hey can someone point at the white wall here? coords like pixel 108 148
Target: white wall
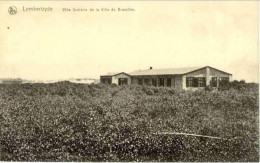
pixel 121 75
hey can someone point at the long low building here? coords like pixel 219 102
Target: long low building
pixel 180 78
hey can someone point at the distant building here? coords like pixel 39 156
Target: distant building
pixel 180 78
pixel 11 81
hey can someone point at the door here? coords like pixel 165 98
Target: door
pixel 122 81
pixel 169 82
pixel 161 82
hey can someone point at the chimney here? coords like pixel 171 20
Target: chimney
pixel 151 68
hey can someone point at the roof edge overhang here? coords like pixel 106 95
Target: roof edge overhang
pixel 122 73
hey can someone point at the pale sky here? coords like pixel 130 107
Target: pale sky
pixel 60 45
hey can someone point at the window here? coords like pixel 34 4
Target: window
pixel 169 82
pixel 161 82
pixel 189 81
pixel 154 82
pixel 214 81
pixel 147 81
pixel 140 81
pixel 122 81
pixel 223 80
pixel 195 82
pixel 106 80
pixel 201 82
pixel 109 81
pixel 103 80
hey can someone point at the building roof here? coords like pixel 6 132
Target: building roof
pixel 114 74
pixel 167 71
pixel 170 71
pixel 111 74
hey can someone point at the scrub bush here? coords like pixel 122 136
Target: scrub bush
pixel 77 122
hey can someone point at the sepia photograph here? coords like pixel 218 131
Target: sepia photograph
pixel 129 81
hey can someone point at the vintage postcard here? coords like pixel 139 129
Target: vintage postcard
pixel 117 81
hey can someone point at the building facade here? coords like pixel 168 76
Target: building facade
pixel 180 78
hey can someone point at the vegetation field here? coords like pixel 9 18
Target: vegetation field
pixel 78 122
